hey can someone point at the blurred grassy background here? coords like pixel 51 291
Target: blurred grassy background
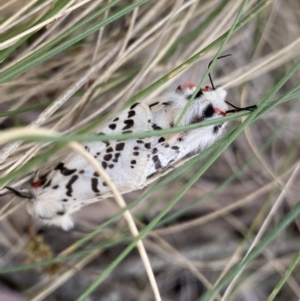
pixel 66 64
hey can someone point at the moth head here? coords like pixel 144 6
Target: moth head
pixel 215 97
pixel 208 102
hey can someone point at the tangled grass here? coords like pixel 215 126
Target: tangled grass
pixel 224 225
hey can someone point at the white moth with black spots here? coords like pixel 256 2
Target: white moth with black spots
pixel 73 182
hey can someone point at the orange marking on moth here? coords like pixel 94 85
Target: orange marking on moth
pixel 36 184
pixel 206 89
pixel 185 86
pixel 188 86
pixel 219 112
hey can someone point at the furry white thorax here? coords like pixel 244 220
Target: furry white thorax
pixel 196 140
pixel 129 163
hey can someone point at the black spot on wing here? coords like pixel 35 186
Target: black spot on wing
pixel 131 114
pixel 107 157
pixel 156 127
pixel 112 126
pixel 120 146
pixel 55 187
pixel 94 183
pixel 69 185
pixel 116 119
pixel 129 124
pixel 167 103
pixel 217 128
pixel 156 162
pixel 134 105
pixel 148 145
pixel 117 155
pixel 161 139
pixel 208 111
pixel 64 170
pixel 104 164
pixel 60 212
pixel 109 150
pixel 153 104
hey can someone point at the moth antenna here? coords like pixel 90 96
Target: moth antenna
pixel 237 109
pixel 21 194
pixel 209 75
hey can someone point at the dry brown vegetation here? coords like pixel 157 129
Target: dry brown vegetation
pixel 235 204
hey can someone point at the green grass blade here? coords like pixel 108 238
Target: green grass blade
pixel 286 275
pixel 22 67
pixel 55 9
pixel 273 234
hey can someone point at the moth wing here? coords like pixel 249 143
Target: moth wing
pixel 155 176
pixel 125 161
